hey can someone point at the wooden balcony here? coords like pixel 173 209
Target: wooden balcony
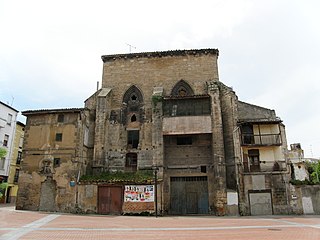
pixel 265 166
pixel 261 140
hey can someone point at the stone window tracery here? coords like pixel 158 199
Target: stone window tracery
pixel 132 111
pixel 182 89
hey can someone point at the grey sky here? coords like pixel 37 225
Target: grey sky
pixel 269 50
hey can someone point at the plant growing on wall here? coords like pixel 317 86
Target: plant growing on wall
pixel 314 170
pixel 3 152
pixel 156 99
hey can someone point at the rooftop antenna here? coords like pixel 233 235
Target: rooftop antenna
pixel 311 151
pixel 130 47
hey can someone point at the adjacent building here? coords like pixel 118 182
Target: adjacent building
pixel 167 112
pixel 13 177
pixel 8 117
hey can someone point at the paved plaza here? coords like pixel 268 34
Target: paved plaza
pixel 37 225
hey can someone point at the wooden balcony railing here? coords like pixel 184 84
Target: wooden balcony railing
pixel 265 166
pixel 261 139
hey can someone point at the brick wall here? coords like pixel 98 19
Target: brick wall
pixel 138 207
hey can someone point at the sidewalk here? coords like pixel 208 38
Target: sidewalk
pixel 37 225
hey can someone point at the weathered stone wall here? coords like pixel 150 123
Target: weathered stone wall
pixel 40 173
pixel 277 184
pixel 305 199
pixel 250 111
pixel 199 153
pixel 229 113
pixel 163 71
pixel 87 198
pixel 218 188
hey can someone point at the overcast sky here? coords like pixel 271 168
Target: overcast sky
pixel 50 50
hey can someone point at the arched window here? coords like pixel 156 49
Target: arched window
pixel 132 107
pixel 133 95
pixel 133 118
pixel 181 89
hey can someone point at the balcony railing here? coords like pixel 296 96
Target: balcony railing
pixel 265 166
pixel 261 139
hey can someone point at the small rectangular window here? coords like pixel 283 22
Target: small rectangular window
pixel 19 158
pixel 174 110
pixel 5 140
pixel 60 118
pixel 56 162
pixel 58 137
pixel 9 120
pixel 16 176
pixel 184 140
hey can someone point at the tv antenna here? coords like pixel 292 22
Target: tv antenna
pixel 130 47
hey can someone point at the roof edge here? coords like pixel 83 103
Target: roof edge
pixel 112 57
pixel 44 111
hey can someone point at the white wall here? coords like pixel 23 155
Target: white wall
pixel 7 128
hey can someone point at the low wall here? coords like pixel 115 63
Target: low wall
pixel 305 199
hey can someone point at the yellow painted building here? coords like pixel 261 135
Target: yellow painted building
pixel 15 164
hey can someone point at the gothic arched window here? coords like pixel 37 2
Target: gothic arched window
pixel 182 89
pixel 132 107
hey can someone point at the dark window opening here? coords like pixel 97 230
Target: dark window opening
pixel 184 140
pixel 56 162
pixel 19 158
pixel 254 160
pixel 133 118
pixel 60 118
pixel 203 169
pixel 16 176
pixel 247 133
pixel 58 137
pixel 133 138
pixel 133 97
pixel 5 140
pixel 131 162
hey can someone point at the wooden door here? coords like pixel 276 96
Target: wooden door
pixel 110 199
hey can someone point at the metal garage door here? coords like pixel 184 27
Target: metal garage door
pixel 188 195
pixel 260 203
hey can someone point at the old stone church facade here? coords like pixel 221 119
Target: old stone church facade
pixel 169 113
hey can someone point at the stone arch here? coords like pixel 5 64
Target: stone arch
pixel 133 95
pixel 182 88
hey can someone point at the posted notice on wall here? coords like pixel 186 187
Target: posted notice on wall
pixel 139 193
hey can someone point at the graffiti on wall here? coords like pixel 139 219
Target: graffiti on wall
pixel 139 193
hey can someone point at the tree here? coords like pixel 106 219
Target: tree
pixel 314 171
pixel 3 152
pixel 3 186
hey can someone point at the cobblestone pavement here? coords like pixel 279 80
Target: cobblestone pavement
pixel 37 225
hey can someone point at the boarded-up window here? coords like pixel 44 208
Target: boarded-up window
pixel 131 162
